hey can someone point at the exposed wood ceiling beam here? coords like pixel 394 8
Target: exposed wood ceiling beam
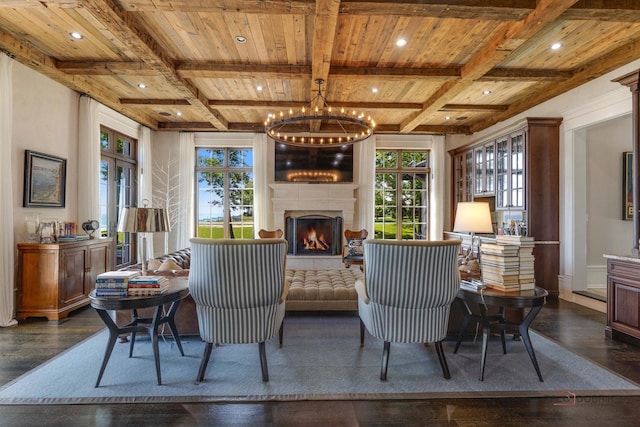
pixel 46 65
pixel 499 10
pixel 222 103
pixel 136 101
pixel 106 68
pixel 325 23
pixel 517 74
pixel 124 27
pixel 259 127
pixel 474 107
pixel 492 53
pixel 245 71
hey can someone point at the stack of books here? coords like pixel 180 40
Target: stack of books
pixel 147 286
pixel 525 253
pixel 114 283
pixel 500 266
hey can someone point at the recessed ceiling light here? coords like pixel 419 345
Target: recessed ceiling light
pixel 447 117
pixel 241 39
pixel 142 85
pixel 556 46
pixel 486 92
pixel 374 89
pixel 258 88
pixel 76 35
pixel 401 42
pixel 179 113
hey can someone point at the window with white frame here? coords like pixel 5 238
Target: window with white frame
pixel 402 187
pixel 224 193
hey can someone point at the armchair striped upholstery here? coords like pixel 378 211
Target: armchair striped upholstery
pixel 239 290
pixel 407 292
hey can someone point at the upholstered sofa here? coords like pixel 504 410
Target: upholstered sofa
pixel 309 290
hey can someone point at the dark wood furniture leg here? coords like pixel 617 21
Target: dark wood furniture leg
pixel 385 360
pixel 443 360
pixel 205 361
pixel 263 361
pixel 524 333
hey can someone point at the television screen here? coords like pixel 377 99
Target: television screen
pixel 313 164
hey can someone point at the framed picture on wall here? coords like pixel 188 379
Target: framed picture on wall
pixel 44 180
pixel 627 186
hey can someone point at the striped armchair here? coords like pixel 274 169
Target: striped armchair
pixel 239 290
pixel 407 292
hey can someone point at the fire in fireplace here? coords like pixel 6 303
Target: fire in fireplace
pixel 314 235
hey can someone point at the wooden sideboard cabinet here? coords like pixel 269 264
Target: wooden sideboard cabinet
pixel 54 279
pixel 623 296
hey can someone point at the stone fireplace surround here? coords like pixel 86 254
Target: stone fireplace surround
pixel 299 199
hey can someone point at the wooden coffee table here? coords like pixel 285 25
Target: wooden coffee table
pixel 178 289
pixel 533 299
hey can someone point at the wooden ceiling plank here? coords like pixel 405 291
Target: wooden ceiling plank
pixel 46 66
pixel 125 27
pixel 222 71
pixel 500 10
pixel 594 69
pixel 491 54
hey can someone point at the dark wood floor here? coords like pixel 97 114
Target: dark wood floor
pixel 579 329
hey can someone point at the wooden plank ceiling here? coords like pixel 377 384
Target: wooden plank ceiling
pixel 467 64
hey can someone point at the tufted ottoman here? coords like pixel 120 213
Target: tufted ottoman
pixel 318 290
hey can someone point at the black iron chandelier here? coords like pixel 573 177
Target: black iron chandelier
pixel 319 124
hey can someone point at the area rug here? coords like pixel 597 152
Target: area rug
pixel 321 360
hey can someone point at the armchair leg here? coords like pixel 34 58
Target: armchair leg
pixel 205 361
pixel 281 334
pixel 443 360
pixel 361 333
pixel 263 362
pixel 385 361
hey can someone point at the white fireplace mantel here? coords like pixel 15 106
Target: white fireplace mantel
pixel 297 197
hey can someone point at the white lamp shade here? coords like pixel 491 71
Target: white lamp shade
pixel 143 220
pixel 473 217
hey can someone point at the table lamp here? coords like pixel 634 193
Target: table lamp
pixel 473 217
pixel 143 220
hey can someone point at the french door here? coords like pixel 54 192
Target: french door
pixel 118 184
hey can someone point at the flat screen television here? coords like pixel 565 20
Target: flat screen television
pixel 313 164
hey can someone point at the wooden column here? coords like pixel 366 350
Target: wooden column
pixel 632 81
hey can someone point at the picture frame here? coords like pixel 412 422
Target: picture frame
pixel 627 186
pixel 45 178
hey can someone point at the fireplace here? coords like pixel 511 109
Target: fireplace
pixel 314 235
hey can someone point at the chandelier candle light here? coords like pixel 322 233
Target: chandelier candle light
pixel 319 125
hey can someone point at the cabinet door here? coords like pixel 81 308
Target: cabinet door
pixel 517 150
pixel 478 171
pixel 489 169
pixel 468 176
pixel 99 262
pixel 502 173
pixel 73 264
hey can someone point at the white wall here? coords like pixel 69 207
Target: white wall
pixel 45 119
